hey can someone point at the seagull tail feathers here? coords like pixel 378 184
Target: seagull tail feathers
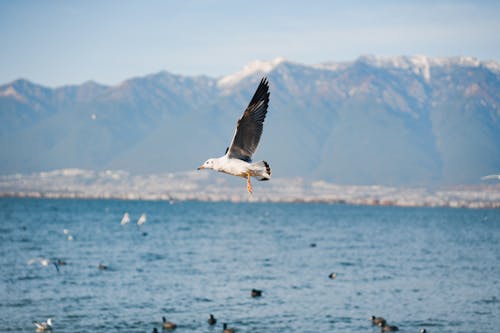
pixel 263 169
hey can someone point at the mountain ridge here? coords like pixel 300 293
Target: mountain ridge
pixel 393 121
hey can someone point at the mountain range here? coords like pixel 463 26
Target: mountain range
pixel 402 121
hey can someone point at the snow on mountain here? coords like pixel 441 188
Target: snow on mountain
pixel 375 120
pixel 257 66
pixel 493 66
pixel 11 92
pixel 421 64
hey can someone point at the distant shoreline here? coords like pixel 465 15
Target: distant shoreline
pixel 212 187
pixel 373 202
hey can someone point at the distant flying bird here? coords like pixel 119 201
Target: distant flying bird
pixel 125 219
pixel 141 219
pixel 43 326
pixel 491 177
pixel 238 158
pixel 44 262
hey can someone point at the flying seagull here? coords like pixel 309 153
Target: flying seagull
pixel 491 177
pixel 238 158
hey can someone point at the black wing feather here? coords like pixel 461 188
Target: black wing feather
pixel 250 125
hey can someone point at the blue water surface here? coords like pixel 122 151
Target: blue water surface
pixel 432 268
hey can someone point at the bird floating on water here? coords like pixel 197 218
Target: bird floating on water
pixel 387 328
pixel 226 329
pixel 238 158
pixel 212 320
pixel 377 320
pixel 125 219
pixel 102 267
pixel 141 219
pixel 43 326
pixel 256 293
pixel 168 325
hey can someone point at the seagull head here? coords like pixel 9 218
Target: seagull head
pixel 209 164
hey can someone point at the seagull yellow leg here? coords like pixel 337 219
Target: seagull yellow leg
pixel 249 185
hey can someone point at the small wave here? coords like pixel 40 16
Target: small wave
pixel 203 300
pixel 28 278
pixel 492 300
pixel 347 264
pixel 20 303
pixel 430 322
pixel 152 257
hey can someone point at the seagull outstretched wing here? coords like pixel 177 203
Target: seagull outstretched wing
pixel 250 125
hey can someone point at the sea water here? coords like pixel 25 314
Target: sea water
pixel 433 268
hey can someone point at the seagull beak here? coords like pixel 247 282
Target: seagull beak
pixel 201 167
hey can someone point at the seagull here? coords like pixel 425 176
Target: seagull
pixel 43 326
pixel 141 219
pixel 66 232
pixel 44 262
pixel 125 219
pixel 237 160
pixel 491 177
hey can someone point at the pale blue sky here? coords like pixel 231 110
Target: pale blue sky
pixel 69 42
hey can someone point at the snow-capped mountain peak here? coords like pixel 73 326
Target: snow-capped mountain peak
pixel 256 66
pixel 421 64
pixel 12 92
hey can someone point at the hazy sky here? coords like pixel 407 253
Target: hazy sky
pixel 62 42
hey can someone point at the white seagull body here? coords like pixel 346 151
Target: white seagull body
pixel 141 219
pixel 238 158
pixel 125 219
pixel 43 326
